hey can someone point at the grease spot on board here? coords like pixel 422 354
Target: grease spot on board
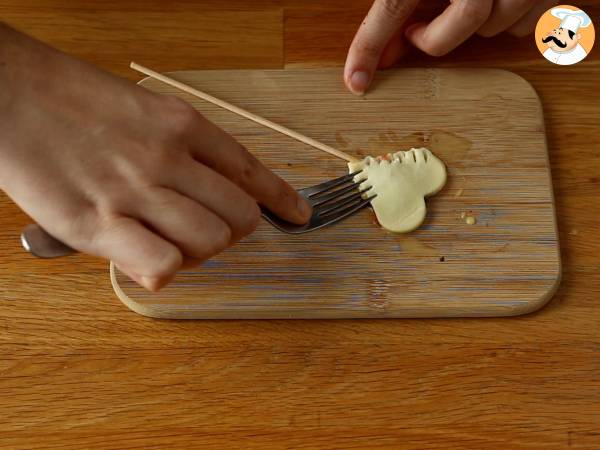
pixel 373 216
pixel 381 143
pixel 415 246
pixel 448 146
pixel 502 248
pixel 346 144
pixel 389 142
pixel 341 141
pixel 408 243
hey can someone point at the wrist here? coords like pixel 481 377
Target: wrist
pixel 24 63
pixel 20 60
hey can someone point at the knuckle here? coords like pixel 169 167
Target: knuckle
pixel 177 105
pixel 110 202
pixel 82 228
pixel 164 159
pixel 101 227
pixel 151 164
pixel 370 47
pixel 180 114
pixel 475 10
pixel 395 9
pixel 249 166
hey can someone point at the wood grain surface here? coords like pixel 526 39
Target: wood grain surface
pixel 77 370
pixel 486 125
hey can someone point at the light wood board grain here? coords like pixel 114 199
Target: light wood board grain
pixel 487 125
pixel 78 370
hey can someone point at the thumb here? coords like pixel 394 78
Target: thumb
pixel 377 29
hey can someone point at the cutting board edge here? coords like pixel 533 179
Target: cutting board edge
pixel 496 310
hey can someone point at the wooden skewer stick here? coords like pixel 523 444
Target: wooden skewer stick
pixel 241 112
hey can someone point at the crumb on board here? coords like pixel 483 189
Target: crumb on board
pixel 468 218
pixel 459 192
pixel 574 232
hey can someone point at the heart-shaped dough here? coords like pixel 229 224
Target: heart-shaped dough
pixel 401 181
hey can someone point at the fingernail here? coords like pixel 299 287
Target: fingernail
pixel 359 82
pixel 304 209
pixel 152 284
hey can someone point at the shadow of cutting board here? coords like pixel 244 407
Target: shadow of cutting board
pixel 486 125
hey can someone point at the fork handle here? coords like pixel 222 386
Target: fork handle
pixel 42 244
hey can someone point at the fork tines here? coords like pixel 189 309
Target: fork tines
pixel 339 196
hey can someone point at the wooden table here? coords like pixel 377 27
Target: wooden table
pixel 79 370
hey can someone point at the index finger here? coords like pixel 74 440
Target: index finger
pixel 377 29
pixel 460 20
pixel 220 151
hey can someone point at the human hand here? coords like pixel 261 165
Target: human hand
pixel 120 172
pixel 381 39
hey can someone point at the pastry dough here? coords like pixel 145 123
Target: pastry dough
pixel 401 181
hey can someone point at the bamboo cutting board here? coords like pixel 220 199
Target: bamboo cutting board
pixel 486 125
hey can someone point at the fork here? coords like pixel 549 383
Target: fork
pixel 331 201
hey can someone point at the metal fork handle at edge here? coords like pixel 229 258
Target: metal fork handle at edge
pixel 42 244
